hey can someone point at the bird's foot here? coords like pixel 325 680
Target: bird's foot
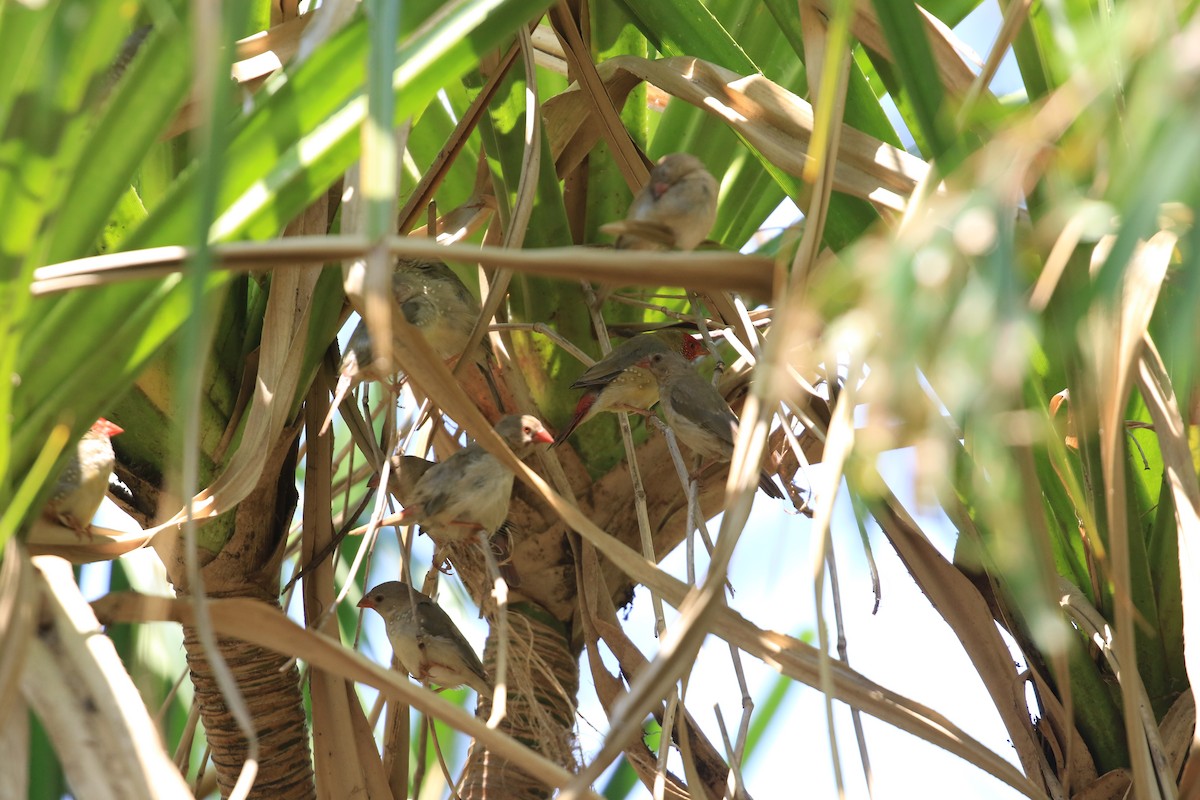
pixel 695 475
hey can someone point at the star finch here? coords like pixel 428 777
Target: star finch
pixel 83 482
pixel 697 412
pixel 676 208
pixel 424 639
pixel 617 383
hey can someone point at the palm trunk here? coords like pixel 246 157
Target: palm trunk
pixel 249 566
pixel 543 681
pixel 274 700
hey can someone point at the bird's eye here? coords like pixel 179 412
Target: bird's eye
pixel 528 429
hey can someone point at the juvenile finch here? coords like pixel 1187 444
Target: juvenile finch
pixel 676 208
pixel 424 638
pixel 467 494
pixel 697 413
pixel 408 470
pixel 83 482
pixel 471 489
pixel 438 303
pixel 617 383
pixel 432 299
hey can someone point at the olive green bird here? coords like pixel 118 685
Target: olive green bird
pixel 617 383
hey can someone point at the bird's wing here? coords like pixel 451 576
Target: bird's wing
pixel 620 359
pixel 690 197
pixel 462 294
pixel 406 473
pixel 470 485
pixel 434 490
pixel 688 397
pixel 447 640
pixel 598 375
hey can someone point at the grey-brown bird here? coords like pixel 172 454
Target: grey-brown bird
pixel 425 640
pixel 616 383
pixel 697 412
pixel 675 209
pixel 408 470
pixel 471 490
pixel 83 482
pixel 435 301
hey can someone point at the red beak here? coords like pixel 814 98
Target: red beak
pixel 543 436
pixel 659 189
pixel 107 428
pixel 366 602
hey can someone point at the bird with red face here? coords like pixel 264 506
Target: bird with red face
pixel 83 482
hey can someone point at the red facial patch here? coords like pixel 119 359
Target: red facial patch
pixel 691 348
